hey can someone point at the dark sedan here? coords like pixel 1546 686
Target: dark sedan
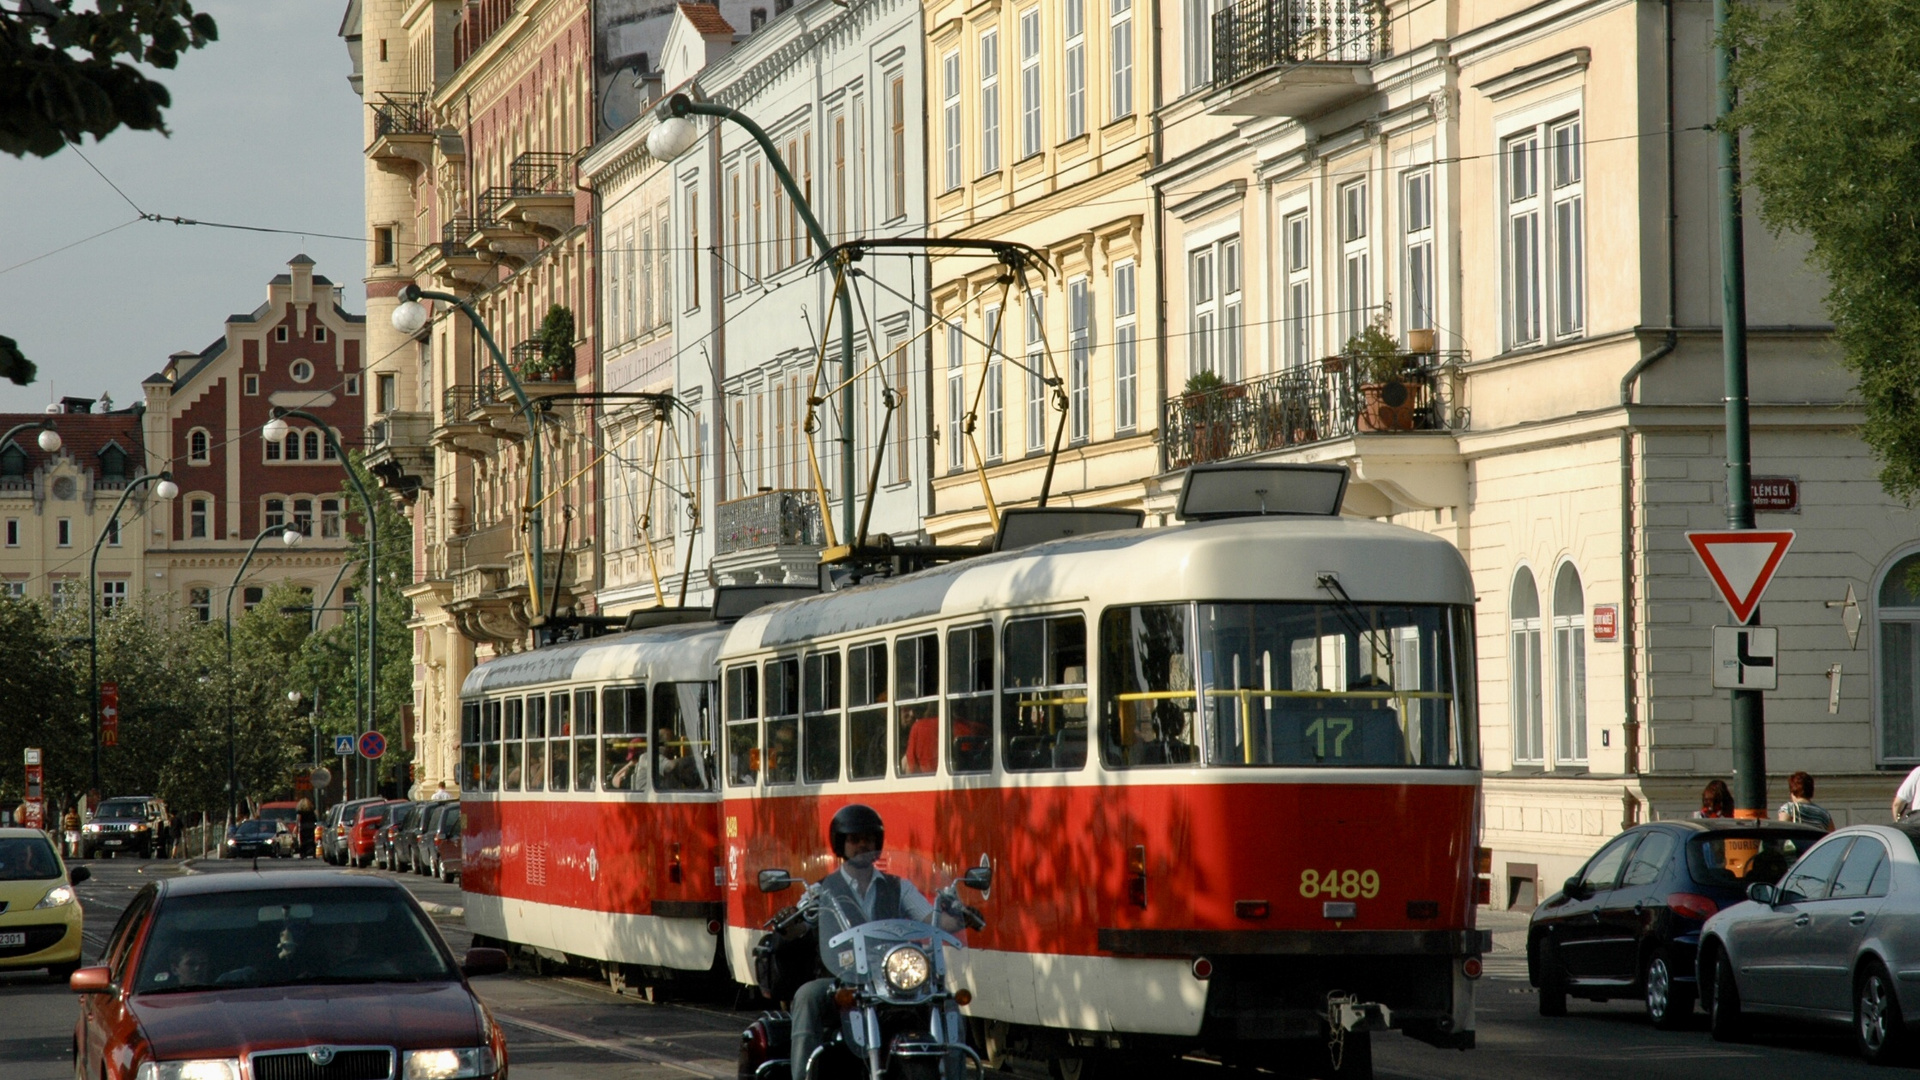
pixel 286 973
pixel 259 838
pixel 1628 924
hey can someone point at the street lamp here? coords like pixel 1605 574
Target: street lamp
pixel 164 489
pixel 672 135
pixel 290 537
pixel 48 441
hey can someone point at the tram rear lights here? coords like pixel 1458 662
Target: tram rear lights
pixel 1482 891
pixel 963 997
pixel 1252 909
pixel 1137 876
pixel 1202 968
pixel 1339 909
pixel 843 997
pixel 1483 860
pixel 1470 967
pixel 674 873
pixel 1691 905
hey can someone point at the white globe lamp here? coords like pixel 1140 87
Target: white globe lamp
pixel 165 490
pixel 671 137
pixel 409 317
pixel 49 440
pixel 275 429
pixel 290 538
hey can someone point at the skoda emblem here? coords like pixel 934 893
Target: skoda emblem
pixel 321 1056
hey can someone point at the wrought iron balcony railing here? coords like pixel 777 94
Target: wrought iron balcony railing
pixel 401 114
pixel 530 362
pixel 540 172
pixel 479 21
pixel 769 519
pixel 453 237
pixel 1251 36
pixel 1308 405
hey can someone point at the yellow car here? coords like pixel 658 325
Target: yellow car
pixel 39 912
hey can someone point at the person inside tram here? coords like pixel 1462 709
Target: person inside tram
pixel 679 768
pixel 868 894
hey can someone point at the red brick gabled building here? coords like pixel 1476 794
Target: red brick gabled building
pixel 205 410
pixel 55 506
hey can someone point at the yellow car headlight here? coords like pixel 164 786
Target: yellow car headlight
pixel 448 1064
pixel 58 896
pixel 204 1069
pixel 907 968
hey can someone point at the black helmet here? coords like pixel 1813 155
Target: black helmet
pixel 855 819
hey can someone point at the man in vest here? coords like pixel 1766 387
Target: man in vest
pixel 858 836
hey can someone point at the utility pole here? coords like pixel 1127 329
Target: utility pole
pixel 1748 706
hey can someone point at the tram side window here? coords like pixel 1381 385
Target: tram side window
pixel 490 745
pixel 470 745
pixel 783 720
pixel 1045 716
pixel 742 703
pixel 867 712
pixel 970 700
pixel 683 743
pixel 560 741
pixel 585 744
pixel 623 737
pixel 513 729
pixel 820 718
pixel 916 709
pixel 1148 700
pixel 536 770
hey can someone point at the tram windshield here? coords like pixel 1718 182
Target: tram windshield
pixel 1299 684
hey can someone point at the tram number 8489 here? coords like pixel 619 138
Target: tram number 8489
pixel 1348 884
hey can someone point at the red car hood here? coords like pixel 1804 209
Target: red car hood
pixel 233 1023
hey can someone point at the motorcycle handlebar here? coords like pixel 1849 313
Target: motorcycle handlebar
pixel 975 920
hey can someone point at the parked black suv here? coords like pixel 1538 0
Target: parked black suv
pixel 128 823
pixel 1628 924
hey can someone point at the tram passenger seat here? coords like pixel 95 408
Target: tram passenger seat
pixel 1070 747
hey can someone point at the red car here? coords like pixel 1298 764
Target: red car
pixel 224 976
pixel 364 831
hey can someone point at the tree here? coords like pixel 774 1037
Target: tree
pixel 65 73
pixel 1832 148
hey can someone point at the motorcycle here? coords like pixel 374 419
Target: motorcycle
pixel 899 1018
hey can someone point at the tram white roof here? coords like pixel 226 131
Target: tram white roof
pixel 683 653
pixel 1249 558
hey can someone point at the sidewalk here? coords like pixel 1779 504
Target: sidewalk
pixel 1508 960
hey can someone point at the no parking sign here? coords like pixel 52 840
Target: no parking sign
pixel 372 744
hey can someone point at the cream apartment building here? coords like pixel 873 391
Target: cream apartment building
pixel 1522 197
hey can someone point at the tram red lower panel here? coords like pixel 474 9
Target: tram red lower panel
pixel 620 857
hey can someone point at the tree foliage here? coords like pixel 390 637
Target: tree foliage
pixel 66 72
pixel 1830 102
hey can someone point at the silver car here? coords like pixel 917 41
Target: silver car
pixel 1838 940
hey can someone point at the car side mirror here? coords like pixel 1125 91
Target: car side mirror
pixel 484 961
pixel 979 878
pixel 78 874
pixel 1762 893
pixel 93 980
pixel 772 881
pixel 1576 888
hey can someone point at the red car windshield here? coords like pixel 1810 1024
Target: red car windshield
pixel 262 938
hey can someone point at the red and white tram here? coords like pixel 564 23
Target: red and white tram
pixel 1225 772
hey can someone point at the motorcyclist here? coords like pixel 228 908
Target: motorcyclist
pixel 857 835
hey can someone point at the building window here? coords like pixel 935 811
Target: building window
pixel 1569 229
pixel 1036 372
pixel 313 445
pixel 950 116
pixel 276 514
pixel 280 332
pixel 303 516
pixel 1523 239
pixel 989 102
pixel 387 391
pixel 353 386
pixel 383 240
pixel 13 532
pixel 902 376
pixel 63 532
pixel 1120 56
pixel 13 461
pixel 1202 310
pixel 1545 265
pixel 956 397
pixel 732 242
pixel 319 333
pixel 113 532
pixel 250 385
pixel 15 589
pixel 693 250
pixel 198 449
pixel 65 591
pixel 1416 310
pixel 897 147
pixel 996 417
pixel 1897 626
pixel 113 594
pixel 326 447
pixel 251 596
pixel 1126 348
pixel 330 519
pixel 1079 359
pixel 200 603
pixel 1527 695
pixel 1214 310
pixel 1076 67
pixel 199 518
pixel 1030 132
pixel 1570 665
pixel 1298 259
pixel 1356 277
pixel 1199 42
pixel 301 371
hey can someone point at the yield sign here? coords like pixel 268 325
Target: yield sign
pixel 1741 563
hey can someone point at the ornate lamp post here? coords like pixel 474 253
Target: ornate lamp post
pixel 288 536
pixel 164 489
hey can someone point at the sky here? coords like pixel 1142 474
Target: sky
pixel 265 132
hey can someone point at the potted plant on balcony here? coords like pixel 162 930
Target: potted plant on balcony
pixel 555 358
pixel 1385 375
pixel 1205 397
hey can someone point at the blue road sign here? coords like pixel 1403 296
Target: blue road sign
pixel 372 744
pixel 342 745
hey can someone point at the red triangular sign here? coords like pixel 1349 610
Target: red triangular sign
pixel 1741 563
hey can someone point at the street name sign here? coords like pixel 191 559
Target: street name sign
pixel 343 745
pixel 1741 563
pixel 372 744
pixel 1746 657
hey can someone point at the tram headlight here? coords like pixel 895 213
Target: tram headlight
pixel 907 968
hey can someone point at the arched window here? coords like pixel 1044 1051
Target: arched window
pixel 198 447
pixel 276 513
pixel 1525 689
pixel 1570 664
pixel 199 517
pixel 303 516
pixel 293 446
pixel 313 446
pixel 1897 623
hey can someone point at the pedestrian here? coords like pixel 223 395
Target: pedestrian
pixel 303 838
pixel 1904 796
pixel 1715 801
pixel 441 794
pixel 1800 806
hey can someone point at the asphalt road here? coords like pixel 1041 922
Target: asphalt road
pixel 577 1029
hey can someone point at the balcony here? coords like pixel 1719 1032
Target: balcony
pixel 399 451
pixel 487 231
pixel 540 193
pixel 402 131
pixel 479 21
pixel 1294 57
pixel 785 518
pixel 452 263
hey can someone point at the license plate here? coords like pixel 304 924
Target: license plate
pixel 115 843
pixel 13 941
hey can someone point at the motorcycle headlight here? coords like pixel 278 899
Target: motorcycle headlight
pixel 58 896
pixel 907 968
pixel 448 1064
pixel 205 1069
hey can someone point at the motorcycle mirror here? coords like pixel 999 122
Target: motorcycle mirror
pixel 775 880
pixel 980 877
